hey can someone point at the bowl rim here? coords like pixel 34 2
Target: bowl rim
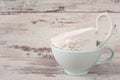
pixel 61 50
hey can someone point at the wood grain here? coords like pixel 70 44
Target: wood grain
pixel 48 69
pixel 28 35
pixel 38 6
pixel 26 27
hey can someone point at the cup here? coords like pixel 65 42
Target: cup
pixel 82 39
pixel 79 62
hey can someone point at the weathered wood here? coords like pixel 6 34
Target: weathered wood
pixel 25 38
pixel 28 35
pixel 59 6
pixel 48 69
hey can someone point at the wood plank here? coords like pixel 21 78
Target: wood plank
pixel 59 6
pixel 28 35
pixel 48 69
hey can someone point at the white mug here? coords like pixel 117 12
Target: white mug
pixel 82 39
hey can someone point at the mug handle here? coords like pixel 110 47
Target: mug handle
pixel 111 27
pixel 109 58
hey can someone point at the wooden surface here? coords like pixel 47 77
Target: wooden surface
pixel 29 34
pixel 59 6
pixel 25 45
pixel 48 69
pixel 26 27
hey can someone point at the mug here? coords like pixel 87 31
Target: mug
pixel 79 62
pixel 82 39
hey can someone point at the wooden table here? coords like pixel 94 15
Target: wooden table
pixel 25 46
pixel 26 27
pixel 48 69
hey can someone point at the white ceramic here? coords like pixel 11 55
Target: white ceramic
pixel 76 40
pixel 82 39
pixel 79 62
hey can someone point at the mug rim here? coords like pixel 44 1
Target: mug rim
pixel 97 49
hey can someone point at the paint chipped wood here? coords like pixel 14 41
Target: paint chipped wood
pixel 25 38
pixel 37 6
pixel 48 69
pixel 29 34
